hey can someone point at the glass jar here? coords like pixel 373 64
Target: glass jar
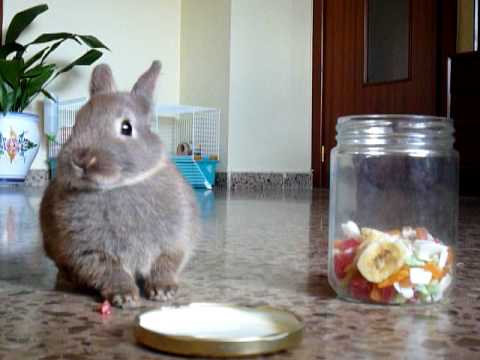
pixel 393 209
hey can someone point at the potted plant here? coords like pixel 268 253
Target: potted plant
pixel 23 76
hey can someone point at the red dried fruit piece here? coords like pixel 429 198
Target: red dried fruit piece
pixel 345 245
pixel 382 295
pixel 387 294
pixel 341 261
pixel 105 308
pixel 360 287
pixel 375 294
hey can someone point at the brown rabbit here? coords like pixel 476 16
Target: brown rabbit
pixel 118 212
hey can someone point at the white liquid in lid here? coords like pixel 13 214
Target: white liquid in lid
pixel 217 322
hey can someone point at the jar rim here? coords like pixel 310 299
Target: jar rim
pixel 407 117
pixel 395 131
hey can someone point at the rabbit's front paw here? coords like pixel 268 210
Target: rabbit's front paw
pixel 126 300
pixel 123 295
pixel 160 290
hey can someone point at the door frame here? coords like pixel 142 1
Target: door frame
pixel 317 92
pixel 446 47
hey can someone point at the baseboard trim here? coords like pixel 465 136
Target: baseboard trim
pixel 263 180
pixel 230 180
pixel 35 178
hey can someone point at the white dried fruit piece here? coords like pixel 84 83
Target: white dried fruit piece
pixel 419 276
pixel 394 232
pixel 351 230
pixel 425 249
pixel 406 244
pixel 380 259
pixel 407 293
pixel 442 261
pixel 409 233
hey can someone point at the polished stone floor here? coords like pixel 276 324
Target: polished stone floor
pixel 258 248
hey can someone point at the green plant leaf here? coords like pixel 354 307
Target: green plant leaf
pixel 22 98
pixel 86 59
pixel 11 101
pixel 2 95
pixel 48 95
pixel 34 58
pixel 21 21
pixel 36 84
pixel 10 71
pixel 7 95
pixel 7 49
pixel 31 87
pixel 54 36
pixel 93 42
pixel 52 49
pixel 21 81
pixel 38 70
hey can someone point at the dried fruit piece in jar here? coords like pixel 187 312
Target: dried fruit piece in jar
pixel 405 292
pixel 347 245
pixel 437 273
pixel 382 295
pixel 421 233
pixel 372 235
pixel 426 249
pixel 341 262
pixel 360 287
pixel 419 276
pixel 399 276
pixel 380 259
pixel 351 230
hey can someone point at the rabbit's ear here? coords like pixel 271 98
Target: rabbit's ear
pixel 102 80
pixel 145 85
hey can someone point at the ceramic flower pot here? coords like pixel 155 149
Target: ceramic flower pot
pixel 19 144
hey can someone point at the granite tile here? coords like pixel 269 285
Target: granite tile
pixel 266 247
pixel 263 181
pixel 255 181
pixel 34 178
pixel 221 179
pixel 37 178
pixel 296 180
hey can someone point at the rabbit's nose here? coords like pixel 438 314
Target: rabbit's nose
pixel 83 158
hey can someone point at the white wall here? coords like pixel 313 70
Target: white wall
pixel 137 32
pixel 250 58
pixel 270 86
pixel 205 60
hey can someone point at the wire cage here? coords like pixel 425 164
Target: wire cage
pixel 59 118
pixel 189 130
pixel 191 134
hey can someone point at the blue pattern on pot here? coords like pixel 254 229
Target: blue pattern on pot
pixel 15 145
pixel 19 144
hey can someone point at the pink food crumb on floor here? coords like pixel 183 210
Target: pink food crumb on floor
pixel 105 308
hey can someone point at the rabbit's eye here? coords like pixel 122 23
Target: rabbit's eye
pixel 126 128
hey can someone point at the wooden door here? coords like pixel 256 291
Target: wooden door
pixel 341 34
pixel 465 112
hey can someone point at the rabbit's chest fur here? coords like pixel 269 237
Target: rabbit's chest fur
pixel 133 225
